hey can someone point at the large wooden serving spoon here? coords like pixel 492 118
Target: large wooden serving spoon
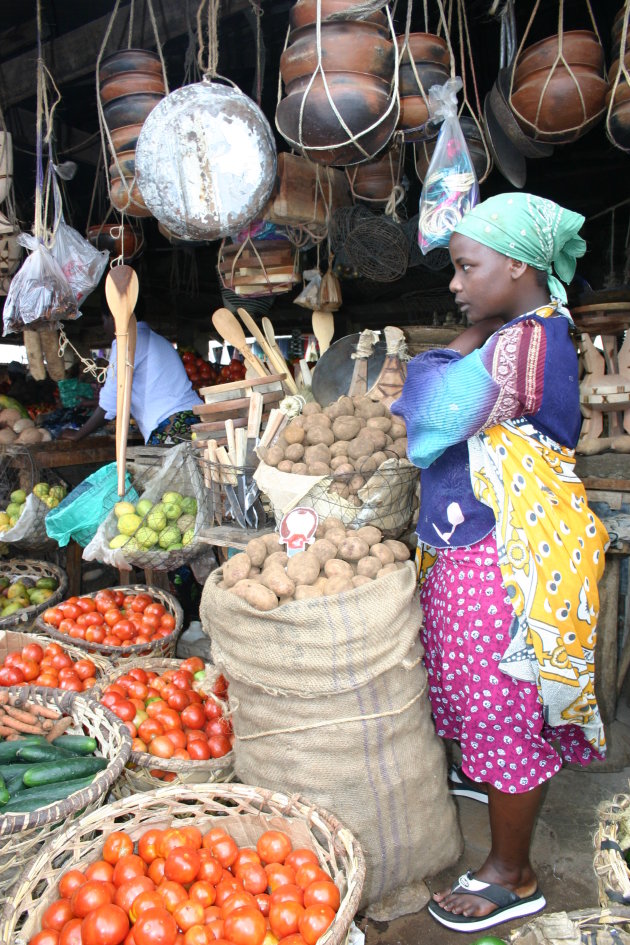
pixel 121 292
pixel 323 329
pixel 231 330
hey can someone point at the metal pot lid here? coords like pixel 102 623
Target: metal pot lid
pixel 507 158
pixel 333 372
pixel 206 161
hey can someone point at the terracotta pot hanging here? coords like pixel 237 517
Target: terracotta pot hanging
pixel 375 181
pixel 304 12
pixel 129 83
pixel 128 199
pixel 346 46
pixel 579 47
pixel 130 109
pixel 120 239
pixel 424 62
pixel 129 60
pixel 618 95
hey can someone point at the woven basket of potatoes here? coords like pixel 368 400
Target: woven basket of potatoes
pixel 347 461
pixel 339 560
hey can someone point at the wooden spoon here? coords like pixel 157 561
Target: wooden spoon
pixel 121 292
pixel 273 355
pixel 323 329
pixel 270 335
pixel 231 330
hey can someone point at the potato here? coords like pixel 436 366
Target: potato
pixel 360 446
pixel 319 469
pixel 333 522
pixel 366 465
pixel 400 447
pixel 275 455
pixel 311 408
pixel 346 428
pixel 397 429
pixel 293 433
pixel 370 408
pixel 375 423
pixel 388 569
pixel 355 501
pixel 377 437
pixel 340 448
pixel 7 436
pixel 319 434
pixel 294 452
pixel 360 579
pixel 368 567
pixel 338 585
pixel 336 568
pixel 258 596
pixel 254 573
pixel 272 542
pixel 300 421
pixel 303 568
pixel 340 408
pixel 285 600
pixel 353 549
pixel 277 580
pixel 305 591
pixel 357 482
pixel 369 533
pixel 320 583
pixel 300 469
pixel 318 420
pixel 336 535
pixel 277 559
pixel 342 489
pixel 317 454
pixel 399 550
pixel 221 585
pixel 285 466
pixel 343 469
pixel 236 569
pixel 384 554
pixel 256 550
pixel 378 458
pixel 337 461
pixel 281 442
pixel 324 550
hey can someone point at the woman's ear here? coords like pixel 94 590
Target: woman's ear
pixel 517 268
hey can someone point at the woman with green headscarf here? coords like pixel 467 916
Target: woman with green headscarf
pixel 509 553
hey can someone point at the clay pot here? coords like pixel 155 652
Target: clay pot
pixel 550 108
pixel 347 46
pixel 126 83
pixel 579 48
pixel 429 73
pixel 622 92
pixel 362 100
pixel 132 204
pixel 619 125
pixel 120 239
pixel 126 137
pixel 614 66
pixel 375 180
pixel 414 111
pixel 424 47
pixel 425 149
pixel 304 12
pixel 130 109
pixel 129 60
pixel 127 164
pixel 499 101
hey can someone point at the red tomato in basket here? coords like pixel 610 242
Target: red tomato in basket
pixel 107 925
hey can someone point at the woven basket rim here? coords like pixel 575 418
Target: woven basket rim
pixel 136 648
pixel 609 864
pixel 294 807
pixel 18 822
pixel 29 613
pixel 142 758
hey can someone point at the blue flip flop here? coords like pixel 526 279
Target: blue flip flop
pixel 509 905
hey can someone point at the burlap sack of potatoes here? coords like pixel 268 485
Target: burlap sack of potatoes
pixel 329 701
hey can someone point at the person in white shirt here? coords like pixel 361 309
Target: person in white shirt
pixel 162 397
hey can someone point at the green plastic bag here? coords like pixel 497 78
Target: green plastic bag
pixel 83 509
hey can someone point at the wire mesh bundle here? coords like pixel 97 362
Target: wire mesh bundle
pixel 436 259
pixel 20 472
pixel 372 243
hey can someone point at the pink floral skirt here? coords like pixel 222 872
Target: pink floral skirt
pixel 497 720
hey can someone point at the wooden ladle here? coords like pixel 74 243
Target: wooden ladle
pixel 121 292
pixel 231 330
pixel 323 329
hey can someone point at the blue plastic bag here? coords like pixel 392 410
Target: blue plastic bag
pixel 83 509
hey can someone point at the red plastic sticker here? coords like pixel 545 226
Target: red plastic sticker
pixel 297 529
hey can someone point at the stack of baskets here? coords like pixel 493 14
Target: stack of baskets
pixel 27 568
pixel 611 842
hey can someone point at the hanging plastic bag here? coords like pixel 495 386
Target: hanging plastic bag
pixel 39 293
pixel 309 295
pixel 81 263
pixel 450 185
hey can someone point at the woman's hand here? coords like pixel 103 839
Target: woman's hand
pixel 475 336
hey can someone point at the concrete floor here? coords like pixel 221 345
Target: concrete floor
pixel 562 851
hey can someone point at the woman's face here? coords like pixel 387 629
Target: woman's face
pixel 483 283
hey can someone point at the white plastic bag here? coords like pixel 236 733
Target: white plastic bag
pixel 309 295
pixel 81 263
pixel 450 185
pixel 39 293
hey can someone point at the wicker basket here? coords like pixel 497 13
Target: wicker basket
pixel 137 777
pixel 119 654
pixel 25 567
pixel 11 640
pixel 611 839
pixel 22 835
pixel 243 811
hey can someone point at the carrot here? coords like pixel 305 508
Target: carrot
pixel 22 726
pixel 29 718
pixel 59 728
pixel 8 733
pixel 44 711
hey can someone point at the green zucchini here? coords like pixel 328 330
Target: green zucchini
pixel 9 750
pixel 33 798
pixel 35 753
pixel 49 772
pixel 81 744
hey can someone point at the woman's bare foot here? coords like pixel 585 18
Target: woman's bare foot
pixel 460 903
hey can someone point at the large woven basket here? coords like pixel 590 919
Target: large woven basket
pixel 25 567
pixel 12 640
pixel 22 835
pixel 244 811
pixel 610 842
pixel 164 647
pixel 137 777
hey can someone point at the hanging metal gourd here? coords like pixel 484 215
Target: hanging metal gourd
pixel 618 97
pixel 206 156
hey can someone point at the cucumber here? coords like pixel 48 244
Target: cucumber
pixel 15 783
pixel 35 753
pixel 9 771
pixel 9 750
pixel 49 772
pixel 81 744
pixel 33 798
pixel 4 796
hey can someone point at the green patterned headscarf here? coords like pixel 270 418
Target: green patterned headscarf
pixel 532 230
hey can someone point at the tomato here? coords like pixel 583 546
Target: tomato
pixel 155 927
pixel 245 856
pixel 188 913
pixel 148 844
pixel 107 925
pixel 172 893
pixel 169 718
pixel 194 837
pixel 158 610
pixel 86 604
pixel 294 939
pixel 210 869
pixel 84 668
pixel 143 902
pixel 11 676
pixel 149 729
pixel 125 710
pixel 219 745
pixel 71 933
pixel 309 873
pixel 280 875
pixel 224 849
pixel 322 894
pixel 178 700
pixel 156 870
pixel 284 917
pixel 193 716
pixel 57 914
pixel 245 926
pixel 53 616
pixel 91 895
pixel 117 845
pixel 218 726
pixel 69 882
pixel 168 622
pixel 237 900
pixel 161 747
pixel 199 935
pixel 273 846
pixel 127 868
pixel 193 664
pixel 45 937
pixel 288 893
pixel 95 635
pixel 225 889
pixel 212 709
pixel 253 877
pixel 299 857
pixel 199 749
pixel 314 922
pixel 33 651
pixel 203 892
pixel 263 902
pixel 101 870
pixel 182 865
pixel 177 737
pixel 127 892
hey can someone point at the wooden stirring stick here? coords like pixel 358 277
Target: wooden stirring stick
pixel 121 292
pixel 231 330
